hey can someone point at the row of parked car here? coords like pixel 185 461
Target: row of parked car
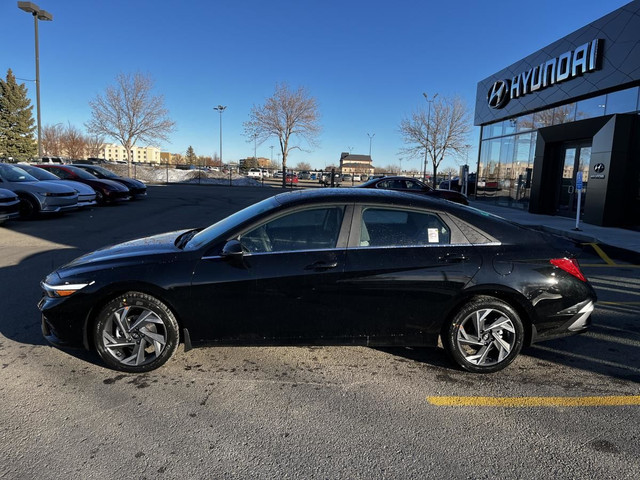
pixel 27 190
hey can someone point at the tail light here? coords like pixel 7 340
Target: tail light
pixel 569 265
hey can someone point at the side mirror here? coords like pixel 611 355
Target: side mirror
pixel 232 250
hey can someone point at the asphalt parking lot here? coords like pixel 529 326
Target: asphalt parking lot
pixel 567 408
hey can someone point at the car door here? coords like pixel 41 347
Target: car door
pixel 285 286
pixel 404 268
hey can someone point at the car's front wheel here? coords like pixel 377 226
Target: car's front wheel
pixel 135 333
pixel 484 336
pixel 29 207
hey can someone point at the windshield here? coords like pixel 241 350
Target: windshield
pixel 230 222
pixel 39 173
pixel 15 174
pixel 82 174
pixel 103 171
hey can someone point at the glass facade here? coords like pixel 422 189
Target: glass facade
pixel 507 148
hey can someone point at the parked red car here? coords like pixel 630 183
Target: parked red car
pixel 292 178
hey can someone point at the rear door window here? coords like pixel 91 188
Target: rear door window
pixel 389 227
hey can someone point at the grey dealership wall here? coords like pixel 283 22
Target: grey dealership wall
pixel 619 67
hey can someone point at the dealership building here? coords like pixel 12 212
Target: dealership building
pixel 560 130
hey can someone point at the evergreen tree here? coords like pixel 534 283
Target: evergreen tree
pixel 191 156
pixel 16 120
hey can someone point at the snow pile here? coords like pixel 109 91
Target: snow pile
pixel 163 174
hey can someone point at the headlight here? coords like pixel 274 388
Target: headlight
pixel 66 290
pixel 45 194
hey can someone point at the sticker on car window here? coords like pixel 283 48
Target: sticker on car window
pixel 434 236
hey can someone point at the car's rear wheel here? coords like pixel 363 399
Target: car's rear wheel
pixel 484 336
pixel 135 333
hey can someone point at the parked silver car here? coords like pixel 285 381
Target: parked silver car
pixel 9 205
pixel 86 194
pixel 35 196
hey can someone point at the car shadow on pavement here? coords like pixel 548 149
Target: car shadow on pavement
pixel 432 356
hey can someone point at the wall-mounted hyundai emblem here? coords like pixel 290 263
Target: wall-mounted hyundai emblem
pixel 598 167
pixel 498 94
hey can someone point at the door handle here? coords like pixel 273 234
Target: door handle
pixel 320 266
pixel 453 258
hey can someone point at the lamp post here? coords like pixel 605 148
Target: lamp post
pixel 220 109
pixel 38 14
pixel 370 138
pixel 426 148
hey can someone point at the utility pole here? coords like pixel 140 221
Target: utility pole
pixel 426 149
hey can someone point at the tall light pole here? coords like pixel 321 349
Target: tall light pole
pixel 426 148
pixel 370 138
pixel 220 109
pixel 38 14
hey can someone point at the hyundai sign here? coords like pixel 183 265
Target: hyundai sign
pixel 564 67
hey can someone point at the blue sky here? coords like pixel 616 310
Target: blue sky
pixel 366 62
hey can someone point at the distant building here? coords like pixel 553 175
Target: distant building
pixel 113 152
pixel 262 162
pixel 361 164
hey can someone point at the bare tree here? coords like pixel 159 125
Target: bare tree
pixel 52 139
pixel 73 142
pixel 447 129
pixel 290 116
pixel 128 112
pixel 301 166
pixel 95 145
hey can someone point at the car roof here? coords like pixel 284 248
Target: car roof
pixel 351 195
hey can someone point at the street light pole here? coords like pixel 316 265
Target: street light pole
pixel 370 138
pixel 220 109
pixel 38 14
pixel 426 148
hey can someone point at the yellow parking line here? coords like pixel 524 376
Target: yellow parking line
pixel 618 303
pixel 607 401
pixel 615 265
pixel 601 253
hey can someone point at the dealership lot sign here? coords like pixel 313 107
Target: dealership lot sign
pixel 564 67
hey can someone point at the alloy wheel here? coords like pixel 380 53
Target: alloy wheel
pixel 134 336
pixel 486 337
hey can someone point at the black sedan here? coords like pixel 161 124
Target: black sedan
pixel 337 267
pixel 136 187
pixel 411 185
pixel 107 191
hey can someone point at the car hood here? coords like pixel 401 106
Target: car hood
pixel 111 183
pixel 129 182
pixel 4 193
pixel 45 186
pixel 81 188
pixel 122 253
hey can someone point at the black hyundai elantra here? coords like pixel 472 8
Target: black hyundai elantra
pixel 335 267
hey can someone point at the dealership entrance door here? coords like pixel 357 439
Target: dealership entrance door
pixel 577 157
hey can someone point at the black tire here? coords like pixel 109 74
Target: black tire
pixel 492 348
pixel 100 200
pixel 29 207
pixel 149 338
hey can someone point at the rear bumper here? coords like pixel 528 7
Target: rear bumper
pixel 577 320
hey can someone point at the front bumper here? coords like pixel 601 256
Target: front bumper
pixel 58 208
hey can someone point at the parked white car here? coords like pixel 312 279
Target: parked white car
pixel 254 173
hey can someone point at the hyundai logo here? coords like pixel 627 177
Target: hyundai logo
pixel 598 167
pixel 498 94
